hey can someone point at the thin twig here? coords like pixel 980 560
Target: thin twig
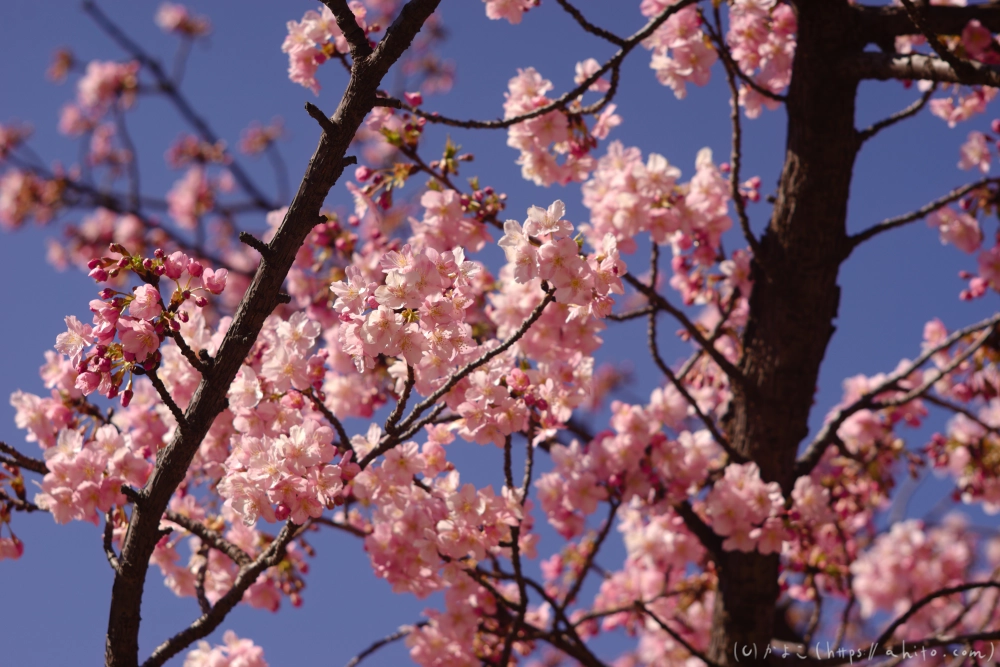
pixel 814 452
pixel 564 100
pixel 210 537
pixel 922 212
pixel 403 632
pixel 901 115
pixel 345 441
pixel 660 302
pixel 590 27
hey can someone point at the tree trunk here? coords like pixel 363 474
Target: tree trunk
pixel 793 304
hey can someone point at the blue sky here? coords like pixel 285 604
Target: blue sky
pixel 54 600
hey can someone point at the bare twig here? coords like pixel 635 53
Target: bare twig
pixel 674 635
pixel 345 442
pixel 401 633
pixel 588 26
pixel 922 212
pixel 814 452
pixel 901 115
pixel 656 299
pixel 210 537
pixel 397 412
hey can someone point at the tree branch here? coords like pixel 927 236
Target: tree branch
pixel 348 24
pixel 564 100
pixel 210 537
pixel 325 168
pixel 901 115
pixel 401 633
pixel 657 300
pixel 814 452
pixel 588 26
pixel 922 212
pixel 26 462
pixel 919 67
pixel 882 24
pixel 207 622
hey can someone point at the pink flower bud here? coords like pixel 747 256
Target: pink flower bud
pixel 414 99
pixel 99 274
pixel 195 268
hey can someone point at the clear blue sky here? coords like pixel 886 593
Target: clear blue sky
pixel 53 607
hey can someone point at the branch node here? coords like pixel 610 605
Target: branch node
pixel 258 245
pixel 329 127
pixel 350 159
pixel 283 298
pixel 390 102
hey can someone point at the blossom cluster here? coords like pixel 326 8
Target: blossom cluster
pixel 235 652
pixel 554 133
pixel 140 332
pixel 314 40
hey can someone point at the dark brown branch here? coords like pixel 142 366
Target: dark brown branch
pixel 588 26
pixel 210 537
pixel 919 67
pixel 255 243
pixel 26 462
pixel 654 350
pixel 321 118
pixel 199 581
pixel 591 555
pixel 346 527
pixel 167 399
pixel 324 169
pixel 348 24
pixel 397 412
pixel 736 153
pixel 403 632
pixel 901 115
pixel 345 441
pixel 675 636
pixel 922 212
pixel 109 549
pixel 207 622
pixel 564 100
pixel 814 452
pixel 390 440
pixel 884 23
pixel 656 299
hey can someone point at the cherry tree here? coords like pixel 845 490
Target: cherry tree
pixel 207 418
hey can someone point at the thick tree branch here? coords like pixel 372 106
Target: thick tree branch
pixel 588 26
pixel 918 67
pixel 885 23
pixel 209 399
pixel 210 620
pixel 922 212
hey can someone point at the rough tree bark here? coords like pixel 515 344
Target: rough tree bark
pixel 794 301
